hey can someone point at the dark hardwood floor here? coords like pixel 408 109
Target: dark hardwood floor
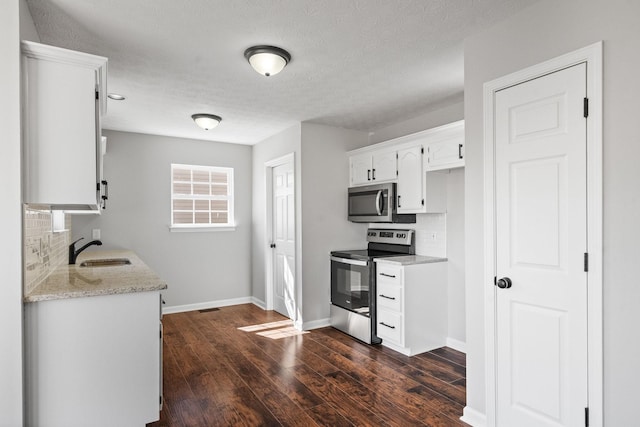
pixel 216 374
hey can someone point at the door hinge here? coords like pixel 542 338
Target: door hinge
pixel 396 172
pixel 421 150
pixel 495 281
pixel 586 262
pixel 586 107
pixel 422 202
pixel 97 95
pixel 586 417
pixel 396 156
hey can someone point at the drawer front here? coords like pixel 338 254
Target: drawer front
pixel 390 327
pixel 388 274
pixel 389 297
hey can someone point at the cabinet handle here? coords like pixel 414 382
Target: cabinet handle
pixel 368 174
pixel 459 151
pixel 373 175
pixel 384 296
pixel 399 201
pixel 105 197
pixel 388 275
pixel 388 326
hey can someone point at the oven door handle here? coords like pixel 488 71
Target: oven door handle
pixel 378 199
pixel 350 261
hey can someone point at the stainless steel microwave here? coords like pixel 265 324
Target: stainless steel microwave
pixel 376 203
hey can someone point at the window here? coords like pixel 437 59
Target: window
pixel 201 197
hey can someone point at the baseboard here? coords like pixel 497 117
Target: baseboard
pixel 205 305
pixel 461 346
pixel 473 417
pixel 315 324
pixel 259 303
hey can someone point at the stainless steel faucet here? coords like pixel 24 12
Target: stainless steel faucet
pixel 73 253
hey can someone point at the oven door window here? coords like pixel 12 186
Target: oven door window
pixel 350 285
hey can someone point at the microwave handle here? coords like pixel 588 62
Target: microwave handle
pixel 350 261
pixel 378 200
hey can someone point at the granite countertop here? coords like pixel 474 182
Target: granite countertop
pixel 410 259
pixel 73 281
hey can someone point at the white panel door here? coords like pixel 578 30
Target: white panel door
pixel 541 321
pixel 284 240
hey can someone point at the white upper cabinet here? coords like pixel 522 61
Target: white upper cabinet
pixel 410 189
pixel 409 161
pixel 63 101
pixel 446 149
pixel 373 168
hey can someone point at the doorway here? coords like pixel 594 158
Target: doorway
pixel 543 243
pixel 281 236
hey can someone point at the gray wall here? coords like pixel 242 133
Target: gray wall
pixel 10 218
pixel 455 211
pixel 199 267
pixel 281 144
pixel 546 30
pixel 325 179
pixel 321 181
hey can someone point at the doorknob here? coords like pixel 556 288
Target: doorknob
pixel 273 245
pixel 504 283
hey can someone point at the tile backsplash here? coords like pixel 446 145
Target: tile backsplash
pixel 44 249
pixel 431 233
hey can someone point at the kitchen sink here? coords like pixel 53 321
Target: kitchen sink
pixel 107 262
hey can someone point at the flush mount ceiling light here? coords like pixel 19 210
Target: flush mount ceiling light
pixel 206 121
pixel 116 97
pixel 267 60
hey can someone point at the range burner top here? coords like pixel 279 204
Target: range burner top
pixel 382 243
pixel 364 254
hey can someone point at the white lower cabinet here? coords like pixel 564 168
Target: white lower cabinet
pixel 93 361
pixel 411 306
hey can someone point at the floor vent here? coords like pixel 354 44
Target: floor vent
pixel 206 310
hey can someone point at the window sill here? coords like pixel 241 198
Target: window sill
pixel 201 229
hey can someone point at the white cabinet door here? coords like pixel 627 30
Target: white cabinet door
pixel 411 306
pixel 384 166
pixel 86 356
pixel 410 191
pixel 446 151
pixel 360 169
pixel 62 104
pixel 371 168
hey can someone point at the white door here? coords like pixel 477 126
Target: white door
pixel 283 240
pixel 541 223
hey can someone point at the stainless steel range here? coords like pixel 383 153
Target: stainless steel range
pixel 353 281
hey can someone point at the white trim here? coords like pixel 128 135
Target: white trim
pixel 205 305
pixel 229 197
pixel 592 56
pixel 258 303
pixel 316 324
pixel 199 229
pixel 268 171
pixel 473 417
pixel 461 346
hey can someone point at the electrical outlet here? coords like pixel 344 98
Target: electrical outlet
pixel 95 233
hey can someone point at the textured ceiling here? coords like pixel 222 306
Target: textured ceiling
pixel 357 64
